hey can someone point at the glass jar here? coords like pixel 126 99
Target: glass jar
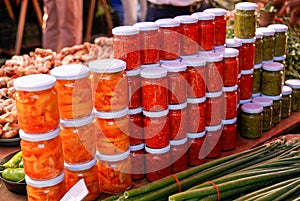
pixel 196 148
pixel 251 120
pixel 36 103
pixel 271 78
pixel 206 30
pixel 212 141
pixel 189 30
pixel 231 101
pixel 256 84
pixel 156 129
pixel 196 114
pixel 134 88
pixel 268 43
pixel 77 138
pixel 295 85
pixel 214 69
pixel 42 154
pixel 150 65
pixel 74 91
pixel 280 44
pixel 126 45
pixel 246 83
pixel 247 52
pixel 136 126
pixel 232 43
pixel 169 34
pixel 178 121
pixel 267 104
pixel 245 20
pixel 277 107
pixel 220 25
pixel 169 61
pixel 179 155
pixel 214 108
pixel 137 155
pixel 87 171
pixel 258 55
pixel 112 132
pixel 281 60
pixel 51 189
pixel 154 89
pixel 114 172
pixel 229 134
pixel 177 82
pixel 110 85
pixel 286 101
pixel 158 163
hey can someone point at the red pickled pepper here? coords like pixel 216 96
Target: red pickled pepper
pixel 212 141
pixel 196 114
pixel 195 142
pixel 136 126
pixel 231 101
pixel 214 108
pixel 214 69
pixel 137 154
pixel 247 52
pixel 229 135
pixel 245 86
pixel 179 155
pixel 232 43
pixel 134 88
pixel 178 121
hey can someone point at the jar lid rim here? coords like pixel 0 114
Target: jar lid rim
pixel 110 115
pixel 107 65
pixel 125 30
pixel 185 19
pixel 81 166
pixel 216 11
pixel 77 122
pixel 252 108
pixel 154 72
pixel 167 22
pixel 45 183
pixel 158 150
pixel 36 137
pixel 178 106
pixel 178 141
pixel 113 158
pixel 196 135
pixel 70 72
pixel 34 82
pixel 156 113
pixel 264 101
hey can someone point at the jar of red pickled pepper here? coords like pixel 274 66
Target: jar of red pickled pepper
pixel 247 52
pixel 220 25
pixel 51 189
pixel 179 155
pixel 158 163
pixel 196 76
pixel 196 114
pixel 196 152
pixel 136 126
pixel 177 82
pixel 232 43
pixel 149 42
pixel 126 45
pixel 134 88
pixel 78 140
pixel 154 89
pixel 178 121
pixel 214 72
pixel 245 86
pixel 150 65
pixel 37 103
pixel 229 134
pixel 156 129
pixel 42 154
pixel 87 171
pixel 231 101
pixel 189 34
pixel 170 38
pixel 110 84
pixel 212 142
pixel 114 172
pixel 206 30
pixel 137 155
pixel 214 108
pixel 112 132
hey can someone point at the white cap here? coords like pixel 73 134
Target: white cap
pixel 167 22
pixel 156 114
pixel 247 72
pixel 213 128
pixel 266 31
pixel 133 72
pixel 245 101
pixel 274 98
pixel 188 56
pixel 125 30
pixel 35 82
pixel 257 66
pixel 256 95
pixel 230 89
pixel 77 122
pixel 229 121
pixel 174 66
pixel 81 166
pixel 186 19
pixel 216 11
pixel 169 61
pixel 196 100
pixel 228 52
pixel 150 65
pixel 203 16
pixel 113 158
pixel 178 106
pixel 279 58
pixel 158 151
pixel 246 6
pixel 45 183
pixel 213 57
pixel 246 40
pixel 70 72
pixel 252 108
pixel 196 135
pixel 286 90
pixel 264 101
pixel 294 83
pixel 111 115
pixel 135 110
pixel 36 137
pixel 178 142
pixel 272 66
pixel 107 65
pixel 155 72
pixel 214 94
pixel 146 26
pixel 231 42
pixel 194 61
pixel 278 27
pixel 137 147
pixel 258 34
pixel 219 47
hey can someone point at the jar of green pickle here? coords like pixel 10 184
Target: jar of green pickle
pixel 295 85
pixel 277 105
pixel 251 120
pixel 281 60
pixel 267 104
pixel 286 101
pixel 256 86
pixel 271 78
pixel 280 39
pixel 245 20
pixel 258 56
pixel 268 43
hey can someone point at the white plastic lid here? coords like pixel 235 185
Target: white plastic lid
pixel 229 121
pixel 266 31
pixel 81 166
pixel 294 83
pixel 239 76
pixel 35 82
pixel 246 6
pixel 246 40
pixel 186 19
pixel 214 94
pixel 219 47
pixel 150 65
pixel 231 42
pixel 257 66
pixel 107 65
pixel 245 101
pixel 228 52
pixel 196 135
pixel 158 151
pixel 188 56
pixel 202 54
pixel 169 61
pixel 167 22
pixel 247 72
pixel 196 100
pixel 77 122
pixel 125 30
pixel 256 95
pixel 258 34
pixel 178 142
pixel 45 183
pixel 146 26
pixel 137 147
pixel 133 72
pixel 178 106
pixel 203 16
pixel 252 108
pixel 230 89
pixel 216 11
pixel 213 128
pixel 280 58
pixel 156 114
pixel 135 110
pixel 155 72
pixel 111 115
pixel 274 98
pixel 70 72
pixel 272 66
pixel 174 66
pixel 278 27
pixel 213 57
pixel 113 158
pixel 264 101
pixel 194 61
pixel 39 136
pixel 286 90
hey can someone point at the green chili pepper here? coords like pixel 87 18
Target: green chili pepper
pixel 21 164
pixel 13 162
pixel 14 174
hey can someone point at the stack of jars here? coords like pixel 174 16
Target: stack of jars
pixel 77 124
pixel 38 118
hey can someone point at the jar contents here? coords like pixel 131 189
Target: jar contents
pixel 233 43
pixel 245 85
pixel 134 88
pixel 229 134
pixel 286 101
pixel 137 155
pixel 268 43
pixel 277 106
pixel 258 56
pixel 136 126
pixel 196 118
pixel 247 52
pixel 214 108
pixel 179 155
pixel 212 141
pixel 214 72
pixel 256 85
pixel 196 155
pixel 178 121
pixel 280 44
pixel 295 85
pixel 267 104
pixel 251 120
pixel 231 101
pixel 271 78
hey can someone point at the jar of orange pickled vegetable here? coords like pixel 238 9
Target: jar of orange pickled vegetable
pixel 112 132
pixel 51 189
pixel 134 88
pixel 178 121
pixel 87 171
pixel 74 91
pixel 137 155
pixel 114 172
pixel 136 126
pixel 78 139
pixel 42 154
pixel 37 103
pixel 110 85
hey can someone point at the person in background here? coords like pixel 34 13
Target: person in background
pixel 131 11
pixel 62 24
pixel 292 7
